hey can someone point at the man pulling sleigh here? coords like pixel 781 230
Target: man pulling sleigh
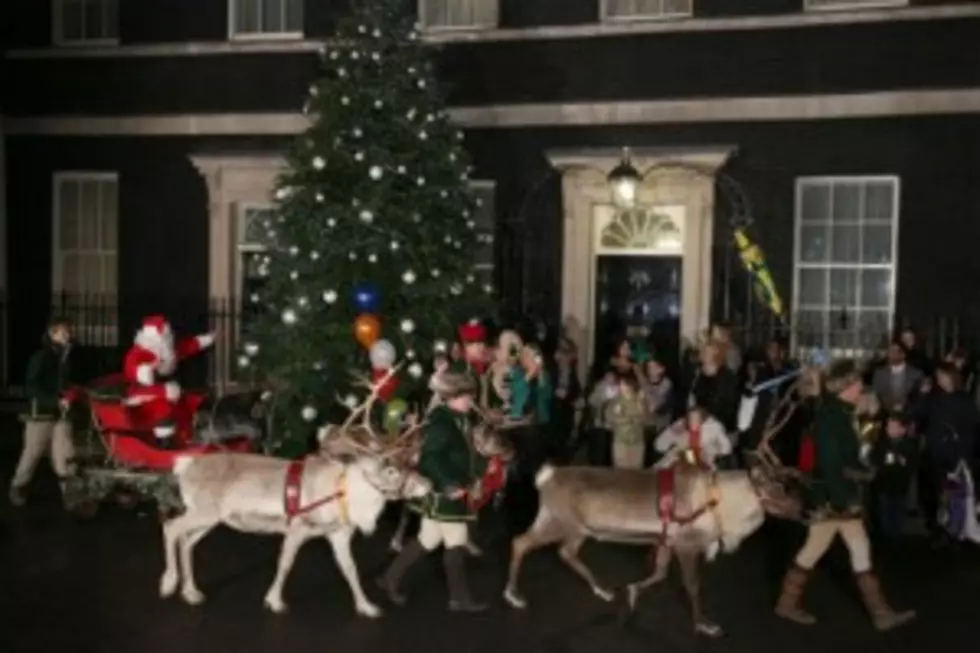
pixel 153 393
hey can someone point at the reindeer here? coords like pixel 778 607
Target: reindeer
pixel 332 496
pixel 686 510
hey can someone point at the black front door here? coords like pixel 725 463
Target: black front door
pixel 638 297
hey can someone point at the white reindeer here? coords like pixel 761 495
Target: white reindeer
pixel 333 496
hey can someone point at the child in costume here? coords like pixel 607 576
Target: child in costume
pixel 699 439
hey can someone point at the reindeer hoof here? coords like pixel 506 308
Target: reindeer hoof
pixel 708 629
pixel 192 596
pixel 632 596
pixel 604 594
pixel 275 605
pixel 514 599
pixel 168 584
pixel 369 610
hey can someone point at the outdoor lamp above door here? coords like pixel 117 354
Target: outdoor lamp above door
pixel 623 182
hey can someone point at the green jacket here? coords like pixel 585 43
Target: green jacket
pixel 836 449
pixel 450 463
pixel 46 380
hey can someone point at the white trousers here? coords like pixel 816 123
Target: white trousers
pixel 45 437
pixel 450 534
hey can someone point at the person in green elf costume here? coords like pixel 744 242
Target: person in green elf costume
pixel 449 460
pixel 49 396
pixel 836 501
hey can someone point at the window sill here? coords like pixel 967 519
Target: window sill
pixel 647 18
pixel 857 5
pixel 266 36
pixel 85 43
pixel 457 29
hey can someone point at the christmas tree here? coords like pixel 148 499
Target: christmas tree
pixel 370 248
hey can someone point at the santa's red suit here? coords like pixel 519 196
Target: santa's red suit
pixel 149 366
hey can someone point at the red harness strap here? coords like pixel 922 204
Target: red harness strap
pixel 667 506
pixel 292 495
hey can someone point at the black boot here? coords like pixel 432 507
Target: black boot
pixel 459 590
pixel 390 581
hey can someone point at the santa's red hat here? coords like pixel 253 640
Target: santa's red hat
pixel 472 331
pixel 156 324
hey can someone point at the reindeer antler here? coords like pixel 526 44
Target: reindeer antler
pixel 364 410
pixel 778 417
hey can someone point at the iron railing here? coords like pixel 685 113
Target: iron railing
pixel 104 327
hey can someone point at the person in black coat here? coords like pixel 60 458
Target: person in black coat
pixel 949 420
pixel 567 392
pixel 716 388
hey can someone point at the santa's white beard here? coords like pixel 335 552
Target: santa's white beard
pixel 161 347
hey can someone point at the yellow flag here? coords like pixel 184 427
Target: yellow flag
pixel 755 265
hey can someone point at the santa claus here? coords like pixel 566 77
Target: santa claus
pixel 149 367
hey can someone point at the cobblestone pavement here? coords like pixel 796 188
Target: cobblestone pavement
pixel 91 587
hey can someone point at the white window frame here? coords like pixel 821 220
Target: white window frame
pixel 798 267
pixel 235 35
pixel 106 332
pixel 606 17
pixel 243 248
pixel 58 32
pixel 492 23
pixel 851 5
pixel 479 186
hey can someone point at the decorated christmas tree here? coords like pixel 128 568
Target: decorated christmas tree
pixel 370 248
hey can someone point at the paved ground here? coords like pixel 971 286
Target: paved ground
pixel 90 587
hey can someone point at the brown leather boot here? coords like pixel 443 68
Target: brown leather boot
pixel 882 615
pixel 789 604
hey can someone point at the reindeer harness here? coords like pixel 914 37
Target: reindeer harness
pixel 667 504
pixel 293 494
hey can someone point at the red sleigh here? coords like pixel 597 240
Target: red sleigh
pixel 131 443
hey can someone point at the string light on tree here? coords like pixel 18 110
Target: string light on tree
pixel 308 413
pixel 330 297
pixel 408 277
pixel 350 401
pixel 407 326
pixel 289 317
pixel 415 370
pixel 366 216
pixel 319 163
pixel 375 172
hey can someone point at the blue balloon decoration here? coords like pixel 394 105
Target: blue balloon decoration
pixel 365 297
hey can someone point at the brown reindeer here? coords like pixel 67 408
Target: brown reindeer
pixel 686 511
pixel 331 496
